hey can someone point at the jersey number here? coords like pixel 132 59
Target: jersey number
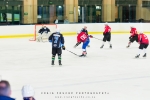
pixel 145 37
pixel 83 37
pixel 56 39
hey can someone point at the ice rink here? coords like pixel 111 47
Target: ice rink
pixel 114 71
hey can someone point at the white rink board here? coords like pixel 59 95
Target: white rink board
pixel 103 70
pixel 16 29
pixel 66 28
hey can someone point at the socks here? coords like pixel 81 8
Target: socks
pixel 109 43
pixel 59 57
pixel 53 58
pixel 129 43
pixel 139 52
pixel 144 51
pixel 103 43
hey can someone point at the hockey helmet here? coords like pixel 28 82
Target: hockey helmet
pixel 58 30
pixel 106 24
pixel 27 91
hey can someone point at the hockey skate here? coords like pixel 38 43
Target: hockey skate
pixel 59 62
pixel 83 54
pixel 127 46
pixel 110 46
pixel 102 46
pixel 144 55
pixel 137 56
pixel 52 62
pixel 75 46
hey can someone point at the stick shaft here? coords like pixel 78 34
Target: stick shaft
pixel 97 38
pixel 72 52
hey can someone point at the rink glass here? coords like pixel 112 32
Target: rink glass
pixel 14 12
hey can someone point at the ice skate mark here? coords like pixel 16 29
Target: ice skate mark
pixel 95 82
pixel 132 48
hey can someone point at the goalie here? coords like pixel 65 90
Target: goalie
pixel 44 32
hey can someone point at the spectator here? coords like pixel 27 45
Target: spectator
pixel 56 21
pixel 28 92
pixel 98 18
pixel 4 16
pixel 141 20
pixel 5 90
pixel 66 21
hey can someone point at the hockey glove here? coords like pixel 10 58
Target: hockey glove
pixel 91 36
pixel 130 37
pixel 63 47
pixel 103 33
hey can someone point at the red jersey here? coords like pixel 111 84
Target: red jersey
pixel 82 37
pixel 133 31
pixel 107 29
pixel 142 38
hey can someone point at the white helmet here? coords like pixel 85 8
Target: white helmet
pixel 106 23
pixel 57 30
pixel 27 91
pixel 141 32
pixel 132 26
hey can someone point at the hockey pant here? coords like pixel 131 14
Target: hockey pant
pixel 85 44
pixel 57 51
pixel 133 38
pixel 107 37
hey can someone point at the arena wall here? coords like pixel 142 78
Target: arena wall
pixel 71 29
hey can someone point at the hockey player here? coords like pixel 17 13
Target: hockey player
pixel 144 42
pixel 44 31
pixel 57 40
pixel 84 37
pixel 83 30
pixel 133 37
pixel 107 35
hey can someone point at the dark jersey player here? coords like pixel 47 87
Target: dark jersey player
pixel 107 35
pixel 57 40
pixel 144 42
pixel 133 37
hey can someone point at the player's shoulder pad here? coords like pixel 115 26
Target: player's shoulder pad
pixel 53 33
pixel 61 35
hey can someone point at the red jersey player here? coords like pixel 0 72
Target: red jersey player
pixel 84 37
pixel 83 30
pixel 144 42
pixel 133 37
pixel 107 35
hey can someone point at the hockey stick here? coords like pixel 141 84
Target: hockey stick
pixel 72 52
pixel 97 38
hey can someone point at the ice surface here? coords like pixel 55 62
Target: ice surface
pixel 114 71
